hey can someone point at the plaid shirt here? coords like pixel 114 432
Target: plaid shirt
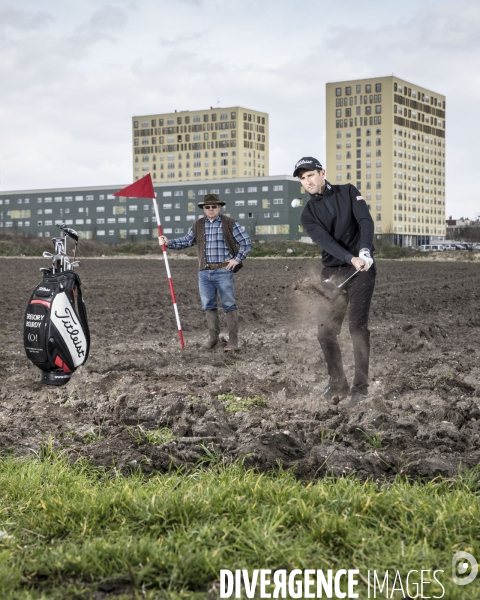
pixel 216 249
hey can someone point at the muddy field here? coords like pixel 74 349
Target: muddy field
pixel 139 388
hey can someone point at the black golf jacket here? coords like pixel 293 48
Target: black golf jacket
pixel 340 223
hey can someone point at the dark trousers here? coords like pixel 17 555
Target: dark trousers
pixel 357 297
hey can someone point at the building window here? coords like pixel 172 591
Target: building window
pixel 368 88
pixel 348 91
pixel 338 91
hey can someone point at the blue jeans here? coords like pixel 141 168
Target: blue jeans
pixel 217 280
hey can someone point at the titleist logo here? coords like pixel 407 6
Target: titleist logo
pixel 304 162
pixel 307 162
pixel 70 325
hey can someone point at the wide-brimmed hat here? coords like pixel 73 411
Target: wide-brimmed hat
pixel 211 199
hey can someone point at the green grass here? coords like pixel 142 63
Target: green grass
pixel 374 440
pixel 241 403
pixel 68 531
pixel 159 436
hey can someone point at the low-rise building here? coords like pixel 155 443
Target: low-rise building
pixel 261 204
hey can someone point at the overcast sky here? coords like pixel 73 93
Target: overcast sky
pixel 74 72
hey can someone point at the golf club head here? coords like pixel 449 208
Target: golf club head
pixel 70 232
pixel 330 290
pixel 59 245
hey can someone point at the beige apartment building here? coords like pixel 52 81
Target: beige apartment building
pixel 387 137
pixel 218 143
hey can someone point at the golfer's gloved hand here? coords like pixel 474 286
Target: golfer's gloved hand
pixel 364 254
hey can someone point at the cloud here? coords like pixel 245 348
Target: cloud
pixel 108 18
pixel 183 38
pixel 78 78
pixel 23 20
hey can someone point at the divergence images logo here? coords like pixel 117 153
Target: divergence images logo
pixel 461 562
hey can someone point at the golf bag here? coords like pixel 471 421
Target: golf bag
pixel 56 335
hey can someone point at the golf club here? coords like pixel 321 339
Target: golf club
pixel 332 290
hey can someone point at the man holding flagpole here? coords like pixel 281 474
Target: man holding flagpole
pixel 217 237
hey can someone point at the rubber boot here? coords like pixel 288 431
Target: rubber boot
pixel 213 324
pixel 232 325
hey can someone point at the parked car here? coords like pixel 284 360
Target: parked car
pixel 431 248
pixel 462 247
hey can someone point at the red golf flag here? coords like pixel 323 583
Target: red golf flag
pixel 143 188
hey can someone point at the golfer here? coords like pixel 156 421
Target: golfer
pixel 337 218
pixel 217 237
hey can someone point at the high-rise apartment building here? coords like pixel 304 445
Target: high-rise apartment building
pixel 200 145
pixel 387 137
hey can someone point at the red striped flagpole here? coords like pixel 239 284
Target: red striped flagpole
pixel 143 188
pixel 170 282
